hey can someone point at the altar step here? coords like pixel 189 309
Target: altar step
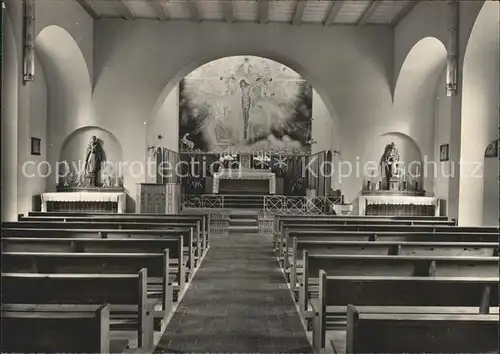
pixel 244 201
pixel 243 223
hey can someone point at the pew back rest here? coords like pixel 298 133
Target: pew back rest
pixel 113 263
pixel 335 264
pixel 409 291
pixel 420 333
pixel 116 289
pixel 56 330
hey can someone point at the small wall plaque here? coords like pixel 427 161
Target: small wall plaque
pixel 444 152
pixel 36 146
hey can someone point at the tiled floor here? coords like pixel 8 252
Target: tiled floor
pixel 238 302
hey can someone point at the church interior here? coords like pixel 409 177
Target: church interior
pixel 235 176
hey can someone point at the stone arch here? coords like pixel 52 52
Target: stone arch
pixel 9 121
pixel 479 124
pixel 268 55
pixel 69 88
pixel 414 98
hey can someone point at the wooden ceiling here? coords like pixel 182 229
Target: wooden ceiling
pixel 294 12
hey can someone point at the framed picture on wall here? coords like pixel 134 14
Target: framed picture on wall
pixel 444 152
pixel 36 146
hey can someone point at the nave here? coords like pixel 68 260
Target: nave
pixel 246 304
pixel 390 284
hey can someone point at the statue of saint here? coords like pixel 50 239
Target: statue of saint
pixel 389 162
pixel 93 160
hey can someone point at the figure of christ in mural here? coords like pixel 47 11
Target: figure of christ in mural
pixel 246 103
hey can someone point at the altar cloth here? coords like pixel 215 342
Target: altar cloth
pixel 244 175
pixel 422 202
pixel 84 197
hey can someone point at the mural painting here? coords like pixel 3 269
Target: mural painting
pixel 245 104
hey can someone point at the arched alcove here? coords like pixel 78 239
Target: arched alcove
pixel 479 126
pixel 10 108
pixel 69 89
pixel 411 158
pixel 414 99
pixel 75 145
pixel 165 112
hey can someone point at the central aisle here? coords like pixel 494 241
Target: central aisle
pixel 237 302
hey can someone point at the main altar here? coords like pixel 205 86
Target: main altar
pixel 244 180
pixel 394 191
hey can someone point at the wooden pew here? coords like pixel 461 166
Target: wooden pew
pixel 197 243
pixel 386 236
pixel 95 245
pixel 405 266
pixel 126 293
pixel 35 329
pixel 387 248
pixel 108 234
pixel 336 292
pixel 131 217
pixel 420 332
pixel 158 281
pixel 340 231
pixel 334 223
pixel 199 236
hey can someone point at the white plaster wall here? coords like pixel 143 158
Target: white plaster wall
pixel 349 68
pixel 480 107
pixel 70 16
pixel 10 81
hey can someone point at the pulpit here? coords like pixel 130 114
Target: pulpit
pixel 158 198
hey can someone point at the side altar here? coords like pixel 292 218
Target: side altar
pixel 97 188
pixel 394 191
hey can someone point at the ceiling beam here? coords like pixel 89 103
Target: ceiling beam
pixel 89 8
pixel 404 12
pixel 299 12
pixel 228 9
pixel 160 8
pixel 370 10
pixel 195 12
pixel 128 13
pixel 263 11
pixel 334 11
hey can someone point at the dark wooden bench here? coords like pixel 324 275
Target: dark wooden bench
pixel 202 218
pixel 96 245
pixel 70 329
pixel 200 241
pixel 387 248
pixel 117 225
pixel 109 234
pixel 130 308
pixel 342 231
pixel 405 266
pixel 386 236
pixel 159 283
pixel 420 332
pixel 326 223
pixel 336 292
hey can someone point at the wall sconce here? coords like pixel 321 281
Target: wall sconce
pixel 160 136
pixel 452 62
pixel 29 41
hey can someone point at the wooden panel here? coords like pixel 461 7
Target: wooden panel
pixel 33 331
pixel 422 333
pixel 416 291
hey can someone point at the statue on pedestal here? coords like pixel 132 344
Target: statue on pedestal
pixel 93 160
pixel 388 163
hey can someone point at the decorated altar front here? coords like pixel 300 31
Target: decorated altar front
pixel 84 201
pixel 245 175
